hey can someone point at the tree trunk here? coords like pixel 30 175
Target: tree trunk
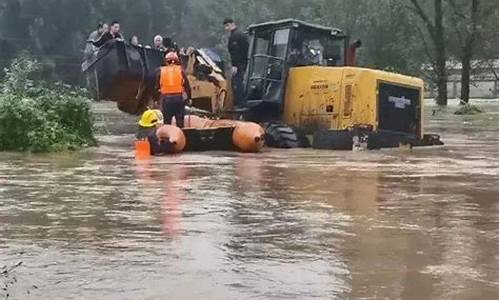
pixel 439 44
pixel 465 76
pixel 467 55
pixel 441 75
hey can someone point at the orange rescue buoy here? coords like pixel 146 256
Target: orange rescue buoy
pixel 248 136
pixel 174 134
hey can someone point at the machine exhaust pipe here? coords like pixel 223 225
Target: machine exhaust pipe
pixel 351 53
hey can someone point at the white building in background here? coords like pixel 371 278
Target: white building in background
pixel 483 84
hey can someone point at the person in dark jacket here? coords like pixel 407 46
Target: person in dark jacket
pixel 94 36
pixel 158 43
pixel 134 41
pixel 170 45
pixel 238 50
pixel 113 33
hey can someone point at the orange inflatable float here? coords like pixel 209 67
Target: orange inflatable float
pixel 174 135
pixel 247 136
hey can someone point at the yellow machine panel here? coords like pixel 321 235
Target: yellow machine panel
pixel 210 92
pixel 312 97
pixel 337 98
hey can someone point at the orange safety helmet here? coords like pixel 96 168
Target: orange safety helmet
pixel 172 57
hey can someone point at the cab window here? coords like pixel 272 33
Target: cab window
pixel 280 43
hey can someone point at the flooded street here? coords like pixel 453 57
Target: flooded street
pixel 282 224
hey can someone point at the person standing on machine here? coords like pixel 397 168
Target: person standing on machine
pixel 171 81
pixel 238 50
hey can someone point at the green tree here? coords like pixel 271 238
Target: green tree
pixel 469 21
pixel 434 25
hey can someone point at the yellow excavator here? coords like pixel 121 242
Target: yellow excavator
pixel 301 84
pixel 301 81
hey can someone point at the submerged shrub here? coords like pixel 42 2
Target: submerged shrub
pixel 468 109
pixel 40 117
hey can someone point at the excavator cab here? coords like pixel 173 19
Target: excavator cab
pixel 275 47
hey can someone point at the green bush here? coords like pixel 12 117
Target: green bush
pixel 41 117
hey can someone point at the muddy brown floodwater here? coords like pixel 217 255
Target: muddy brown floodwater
pixel 281 224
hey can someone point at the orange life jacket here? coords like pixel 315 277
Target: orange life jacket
pixel 171 81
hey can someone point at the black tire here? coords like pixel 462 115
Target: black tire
pixel 332 139
pixel 302 138
pixel 279 135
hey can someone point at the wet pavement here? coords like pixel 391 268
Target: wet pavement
pixel 282 224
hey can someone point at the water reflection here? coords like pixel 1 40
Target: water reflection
pixel 296 220
pixel 169 179
pixel 173 197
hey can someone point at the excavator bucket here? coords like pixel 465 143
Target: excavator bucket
pixel 121 72
pixel 125 74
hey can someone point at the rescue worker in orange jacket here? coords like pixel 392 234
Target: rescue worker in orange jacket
pixel 171 81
